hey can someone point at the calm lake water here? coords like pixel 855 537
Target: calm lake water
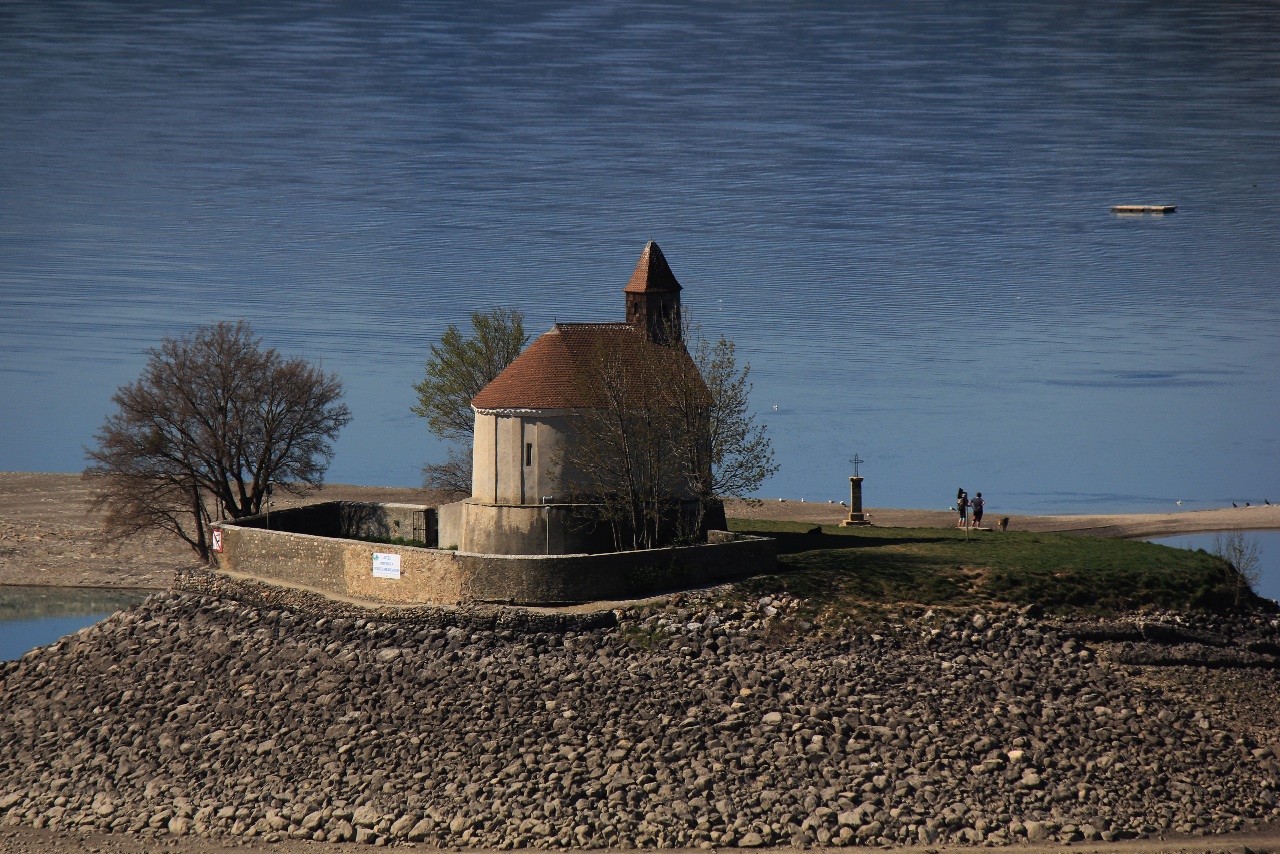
pixel 18 637
pixel 34 616
pixel 898 212
pixel 1268 543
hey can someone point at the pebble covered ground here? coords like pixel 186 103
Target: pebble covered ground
pixel 236 711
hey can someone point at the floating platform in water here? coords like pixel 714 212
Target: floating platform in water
pixel 1143 209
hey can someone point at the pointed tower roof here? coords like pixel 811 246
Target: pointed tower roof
pixel 652 275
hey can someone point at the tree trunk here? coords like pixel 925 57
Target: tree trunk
pixel 197 510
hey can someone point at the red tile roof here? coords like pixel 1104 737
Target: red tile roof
pixel 561 368
pixel 652 274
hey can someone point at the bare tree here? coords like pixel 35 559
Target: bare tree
pixel 1244 556
pixel 627 444
pixel 457 370
pixel 216 418
pixel 670 435
pixel 453 476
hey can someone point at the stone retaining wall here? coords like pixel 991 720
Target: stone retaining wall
pixel 306 556
pixel 564 579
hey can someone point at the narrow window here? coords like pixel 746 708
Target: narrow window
pixel 528 453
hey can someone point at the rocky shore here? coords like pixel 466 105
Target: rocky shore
pixel 234 711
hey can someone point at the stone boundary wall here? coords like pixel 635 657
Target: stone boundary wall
pixel 339 566
pixel 348 519
pixel 344 567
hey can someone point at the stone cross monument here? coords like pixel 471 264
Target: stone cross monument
pixel 856 516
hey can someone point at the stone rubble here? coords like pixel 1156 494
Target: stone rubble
pixel 237 712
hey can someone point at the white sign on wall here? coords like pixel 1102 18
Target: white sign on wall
pixel 216 538
pixel 385 565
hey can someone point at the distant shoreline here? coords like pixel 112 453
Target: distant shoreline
pixel 47 537
pixel 1129 526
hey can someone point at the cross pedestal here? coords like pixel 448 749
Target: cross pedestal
pixel 856 516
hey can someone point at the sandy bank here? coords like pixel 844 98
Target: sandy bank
pixel 1127 526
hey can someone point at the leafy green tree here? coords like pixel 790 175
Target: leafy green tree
pixel 214 418
pixel 735 456
pixel 458 368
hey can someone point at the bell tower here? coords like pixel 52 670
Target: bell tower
pixel 653 297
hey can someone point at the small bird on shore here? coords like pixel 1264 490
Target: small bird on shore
pixel 1235 505
pixel 1266 502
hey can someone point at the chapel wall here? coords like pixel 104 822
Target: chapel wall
pixel 509 460
pixel 484 465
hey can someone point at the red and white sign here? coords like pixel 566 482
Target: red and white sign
pixel 217 540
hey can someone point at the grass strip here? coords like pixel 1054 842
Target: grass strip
pixel 851 569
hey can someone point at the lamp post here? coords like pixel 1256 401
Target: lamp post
pixel 856 517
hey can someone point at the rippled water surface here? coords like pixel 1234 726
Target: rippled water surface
pixel 900 213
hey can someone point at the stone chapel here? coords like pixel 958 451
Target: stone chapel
pixel 525 492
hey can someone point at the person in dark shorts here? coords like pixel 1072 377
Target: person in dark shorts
pixel 962 505
pixel 977 505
